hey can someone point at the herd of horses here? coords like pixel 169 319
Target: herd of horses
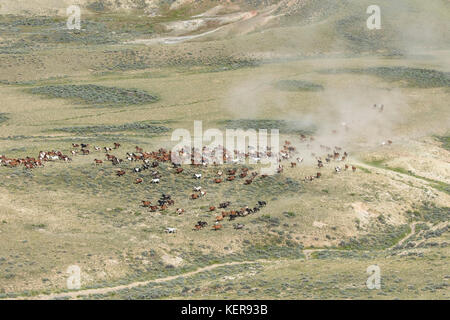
pixel 150 161
pixel 31 162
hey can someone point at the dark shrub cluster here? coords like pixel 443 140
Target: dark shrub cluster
pixel 148 127
pixel 414 77
pixel 95 94
pixel 297 85
pixel 3 118
pixel 430 212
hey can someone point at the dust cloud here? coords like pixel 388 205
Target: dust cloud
pixel 344 112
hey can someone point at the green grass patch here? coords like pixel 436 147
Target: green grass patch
pixel 365 170
pixel 297 85
pixel 411 77
pixel 147 126
pixel 95 94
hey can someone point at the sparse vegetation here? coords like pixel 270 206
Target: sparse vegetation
pixel 381 237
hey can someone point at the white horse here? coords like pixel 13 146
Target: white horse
pixel 171 230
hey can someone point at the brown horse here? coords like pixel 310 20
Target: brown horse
pixel 178 170
pixel 146 204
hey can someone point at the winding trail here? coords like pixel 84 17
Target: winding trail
pixel 409 235
pixel 85 292
pixel 435 227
